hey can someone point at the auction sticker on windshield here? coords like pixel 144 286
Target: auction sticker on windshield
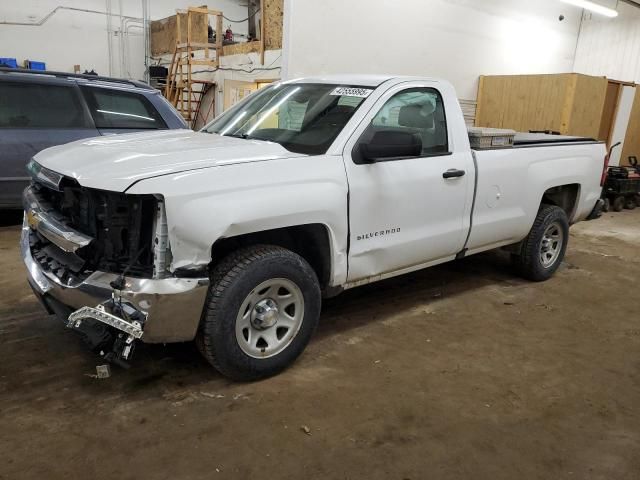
pixel 352 92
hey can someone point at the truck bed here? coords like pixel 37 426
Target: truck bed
pixel 511 181
pixel 539 139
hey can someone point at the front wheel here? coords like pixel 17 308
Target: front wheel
pixel 543 250
pixel 262 308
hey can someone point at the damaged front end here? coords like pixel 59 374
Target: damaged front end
pixel 100 261
pixel 110 328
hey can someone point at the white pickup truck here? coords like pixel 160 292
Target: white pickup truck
pixel 232 235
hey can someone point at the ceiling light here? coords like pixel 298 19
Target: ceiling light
pixel 593 7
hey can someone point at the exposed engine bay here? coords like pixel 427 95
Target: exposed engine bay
pixel 121 227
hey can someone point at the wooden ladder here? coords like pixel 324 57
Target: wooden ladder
pixel 183 90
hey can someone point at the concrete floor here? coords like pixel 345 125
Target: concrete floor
pixel 461 371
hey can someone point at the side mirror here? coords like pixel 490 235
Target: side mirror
pixel 390 144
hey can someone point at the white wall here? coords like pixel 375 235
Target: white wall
pixel 245 68
pixel 454 39
pixel 611 46
pixel 621 122
pixel 67 38
pixel 71 37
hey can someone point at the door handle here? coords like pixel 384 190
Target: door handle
pixel 453 173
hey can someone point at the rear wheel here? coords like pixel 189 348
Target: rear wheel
pixel 262 308
pixel 543 250
pixel 618 203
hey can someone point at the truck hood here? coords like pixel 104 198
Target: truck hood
pixel 116 162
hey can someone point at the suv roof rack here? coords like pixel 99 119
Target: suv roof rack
pixel 133 83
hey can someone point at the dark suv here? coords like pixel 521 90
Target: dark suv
pixel 42 109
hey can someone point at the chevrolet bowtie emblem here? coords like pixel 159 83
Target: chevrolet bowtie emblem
pixel 32 219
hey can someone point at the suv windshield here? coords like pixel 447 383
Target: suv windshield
pixel 303 117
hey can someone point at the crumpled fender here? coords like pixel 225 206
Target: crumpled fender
pixel 206 205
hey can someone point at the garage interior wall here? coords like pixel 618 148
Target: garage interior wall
pixel 71 37
pixel 453 39
pixel 611 46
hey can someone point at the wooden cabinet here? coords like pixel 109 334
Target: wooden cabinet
pixel 569 104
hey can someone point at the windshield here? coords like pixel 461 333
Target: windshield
pixel 303 117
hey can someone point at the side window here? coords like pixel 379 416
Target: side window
pixel 416 111
pixel 31 105
pixel 118 109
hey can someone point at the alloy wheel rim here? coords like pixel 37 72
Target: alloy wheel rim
pixel 269 318
pixel 551 244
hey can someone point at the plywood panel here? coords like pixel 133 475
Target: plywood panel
pixel 632 139
pixel 163 33
pixel 273 31
pixel 523 102
pixel 273 24
pixel 609 111
pixel 588 104
pixel 241 48
pixel 570 104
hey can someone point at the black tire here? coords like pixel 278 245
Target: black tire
pixel 618 203
pixel 606 206
pixel 232 281
pixel 630 203
pixel 528 262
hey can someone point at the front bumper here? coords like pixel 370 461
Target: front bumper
pixel 172 306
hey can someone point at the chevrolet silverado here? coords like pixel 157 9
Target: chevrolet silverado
pixel 232 236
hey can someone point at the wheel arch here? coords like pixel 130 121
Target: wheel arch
pixel 311 241
pixel 564 196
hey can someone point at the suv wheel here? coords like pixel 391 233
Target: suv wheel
pixel 262 308
pixel 543 250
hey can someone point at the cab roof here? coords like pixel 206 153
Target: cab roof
pixel 360 80
pixel 356 79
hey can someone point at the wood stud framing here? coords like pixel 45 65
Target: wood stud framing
pixel 183 90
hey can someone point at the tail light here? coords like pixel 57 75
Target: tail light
pixel 603 178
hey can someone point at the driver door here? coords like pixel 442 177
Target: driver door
pixel 407 210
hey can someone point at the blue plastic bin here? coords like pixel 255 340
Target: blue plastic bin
pixel 33 65
pixel 8 62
